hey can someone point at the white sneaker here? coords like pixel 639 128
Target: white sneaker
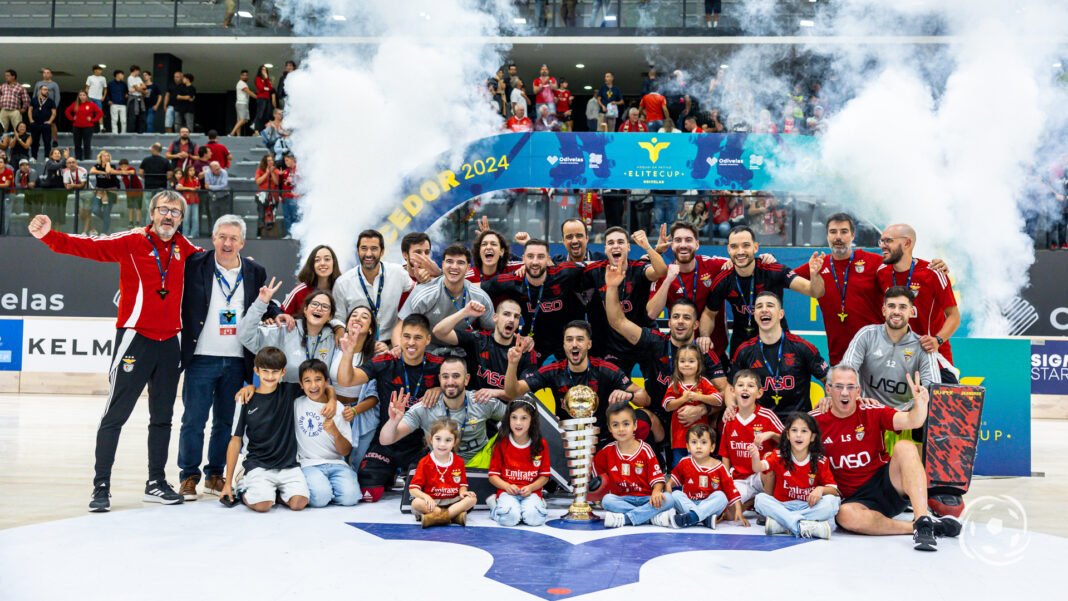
pixel 814 529
pixel 614 520
pixel 773 527
pixel 665 520
pixel 491 502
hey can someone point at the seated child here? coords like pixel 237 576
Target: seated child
pixel 806 497
pixel 688 387
pixel 519 467
pixel 751 423
pixel 439 486
pixel 323 444
pixel 635 482
pixel 702 485
pixel 265 416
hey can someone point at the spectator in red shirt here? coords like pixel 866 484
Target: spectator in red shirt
pixel 264 98
pixel 545 90
pixel 183 151
pixel 287 182
pixel 134 191
pixel 656 110
pixel 520 122
pixel 633 124
pixel 218 152
pixel 266 197
pixel 691 127
pixel 190 186
pixel 764 124
pixel 563 104
pixel 84 115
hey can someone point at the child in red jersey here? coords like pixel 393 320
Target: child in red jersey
pixel 688 388
pixel 806 497
pixel 748 423
pixel 635 482
pixel 702 485
pixel 439 486
pixel 519 468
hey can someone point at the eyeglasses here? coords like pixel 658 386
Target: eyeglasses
pixel 164 211
pixel 845 387
pixel 318 305
pixel 887 241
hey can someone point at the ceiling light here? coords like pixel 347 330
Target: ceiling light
pixel 519 21
pixel 580 66
pixel 244 14
pixel 26 85
pixel 339 17
pixel 1056 65
pixel 268 65
pixel 807 23
pixel 102 65
pixel 587 87
pixel 724 66
pixel 609 17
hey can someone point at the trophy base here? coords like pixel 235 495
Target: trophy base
pixel 580 513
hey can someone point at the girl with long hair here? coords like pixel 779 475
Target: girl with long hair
pixel 490 256
pixel 189 186
pixel 439 486
pixel 359 400
pixel 319 272
pixel 688 388
pixel 519 467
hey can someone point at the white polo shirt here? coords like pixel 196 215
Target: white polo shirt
pixel 219 336
pixel 348 293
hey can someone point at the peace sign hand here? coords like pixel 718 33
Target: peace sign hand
pixel 266 292
pixel 919 391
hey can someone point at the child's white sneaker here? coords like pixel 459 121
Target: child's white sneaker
pixel 773 527
pixel 665 519
pixel 614 520
pixel 814 529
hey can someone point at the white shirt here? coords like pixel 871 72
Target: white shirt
pixel 97 84
pixel 242 98
pixel 348 293
pixel 519 98
pixel 132 85
pixel 75 176
pixel 219 339
pixel 314 445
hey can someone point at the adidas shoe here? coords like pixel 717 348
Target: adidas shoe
pixel 101 501
pixel 946 505
pixel 710 521
pixel 923 534
pixel 947 527
pixel 665 519
pixel 814 529
pixel 772 527
pixel 614 520
pixel 158 491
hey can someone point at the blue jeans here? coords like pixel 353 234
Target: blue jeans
pixel 103 211
pixel 789 513
pixel 360 445
pixel 150 121
pixel 331 482
pixel 665 210
pixel 511 510
pixel 654 126
pixel 192 221
pixel 638 509
pixel 168 117
pixel 714 504
pixel 719 230
pixel 210 385
pixel 289 209
pixel 6 199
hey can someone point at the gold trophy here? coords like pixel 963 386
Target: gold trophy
pixel 580 402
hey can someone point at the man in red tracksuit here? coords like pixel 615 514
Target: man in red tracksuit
pixel 151 274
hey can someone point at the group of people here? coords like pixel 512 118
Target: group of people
pixel 360 371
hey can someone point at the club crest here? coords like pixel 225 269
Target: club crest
pixel 456 475
pixel 639 467
pixel 859 432
pixel 859 266
pixel 128 363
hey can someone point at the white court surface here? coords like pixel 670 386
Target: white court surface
pixel 141 551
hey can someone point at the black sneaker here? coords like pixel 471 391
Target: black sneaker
pixel 947 527
pixel 158 491
pixel 101 502
pixel 923 534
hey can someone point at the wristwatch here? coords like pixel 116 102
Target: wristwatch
pixel 940 341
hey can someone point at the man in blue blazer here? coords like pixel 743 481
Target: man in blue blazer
pixel 220 286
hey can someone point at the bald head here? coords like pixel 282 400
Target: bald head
pixel 897 243
pixel 902 230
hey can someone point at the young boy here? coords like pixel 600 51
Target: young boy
pixel 265 415
pixel 323 444
pixel 703 486
pixel 751 424
pixel 635 482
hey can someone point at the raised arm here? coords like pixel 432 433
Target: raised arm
pixel 347 375
pixel 915 417
pixel 513 386
pixel 657 268
pixel 106 250
pixel 445 331
pixel 395 429
pixel 658 300
pixel 813 287
pixel 613 277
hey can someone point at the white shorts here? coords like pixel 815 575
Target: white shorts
pixel 749 487
pixel 242 111
pixel 261 485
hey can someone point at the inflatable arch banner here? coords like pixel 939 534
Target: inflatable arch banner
pixel 602 161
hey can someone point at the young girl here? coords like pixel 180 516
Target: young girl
pixel 519 468
pixel 688 387
pixel 806 497
pixel 702 485
pixel 320 271
pixel 750 424
pixel 439 486
pixel 189 185
pixel 359 400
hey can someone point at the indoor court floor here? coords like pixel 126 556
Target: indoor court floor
pixel 51 548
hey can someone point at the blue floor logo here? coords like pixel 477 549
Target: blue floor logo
pixel 591 566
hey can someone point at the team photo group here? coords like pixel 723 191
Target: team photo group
pixel 414 376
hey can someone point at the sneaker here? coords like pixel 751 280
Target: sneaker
pixel 814 529
pixel 923 534
pixel 188 488
pixel 772 527
pixel 665 519
pixel 614 520
pixel 946 504
pixel 710 522
pixel 214 485
pixel 158 491
pixel 947 527
pixel 101 502
pixel 1064 246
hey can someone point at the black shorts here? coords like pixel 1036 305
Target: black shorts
pixel 381 463
pixel 878 494
pixel 713 6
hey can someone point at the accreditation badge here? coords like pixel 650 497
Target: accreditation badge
pixel 227 322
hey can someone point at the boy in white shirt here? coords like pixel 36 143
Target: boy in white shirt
pixel 323 445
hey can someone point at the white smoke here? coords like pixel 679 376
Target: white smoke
pixel 365 115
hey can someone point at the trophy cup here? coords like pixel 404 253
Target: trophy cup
pixel 580 402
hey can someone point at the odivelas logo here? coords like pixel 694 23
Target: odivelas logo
pixel 24 301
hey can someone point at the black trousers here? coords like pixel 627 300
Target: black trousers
pixel 83 142
pixel 138 361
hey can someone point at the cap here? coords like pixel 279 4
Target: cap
pixel 24 162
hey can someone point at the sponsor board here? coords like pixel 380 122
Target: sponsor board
pixel 68 345
pixel 1049 367
pixel 10 345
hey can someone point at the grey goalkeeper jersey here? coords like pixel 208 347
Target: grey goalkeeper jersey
pixel 883 364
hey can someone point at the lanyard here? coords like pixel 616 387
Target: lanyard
pixel 419 383
pixel 378 298
pixel 537 306
pixel 463 424
pixel 778 366
pixel 453 299
pixel 749 302
pixel 909 282
pixel 224 286
pixel 845 282
pixel 304 341
pixel 696 274
pixel 571 376
pixel 162 292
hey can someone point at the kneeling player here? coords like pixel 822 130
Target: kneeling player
pixel 635 482
pixel 705 487
pixel 747 423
